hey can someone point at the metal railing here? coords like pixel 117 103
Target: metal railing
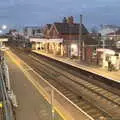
pixel 7 105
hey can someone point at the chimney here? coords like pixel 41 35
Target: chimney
pixel 64 20
pixel 70 20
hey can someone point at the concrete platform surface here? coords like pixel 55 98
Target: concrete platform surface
pixel 32 105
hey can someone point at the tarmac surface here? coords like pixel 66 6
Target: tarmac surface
pixel 32 105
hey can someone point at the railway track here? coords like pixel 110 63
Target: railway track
pixel 96 101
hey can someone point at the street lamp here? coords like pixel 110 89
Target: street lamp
pixel 4 27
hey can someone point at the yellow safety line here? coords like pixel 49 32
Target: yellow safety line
pixel 1 104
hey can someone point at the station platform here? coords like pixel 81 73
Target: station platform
pixel 113 75
pixel 31 104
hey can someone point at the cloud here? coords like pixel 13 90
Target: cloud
pixel 6 3
pixel 46 11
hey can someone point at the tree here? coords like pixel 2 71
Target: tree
pixel 94 29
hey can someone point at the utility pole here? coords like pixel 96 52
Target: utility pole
pixel 69 42
pixel 52 105
pixel 103 40
pixel 80 38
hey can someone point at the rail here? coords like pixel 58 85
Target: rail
pixel 106 80
pixel 54 94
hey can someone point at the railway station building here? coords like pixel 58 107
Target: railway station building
pixel 61 38
pixel 69 31
pixel 53 46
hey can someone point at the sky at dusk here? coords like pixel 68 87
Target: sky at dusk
pixel 40 12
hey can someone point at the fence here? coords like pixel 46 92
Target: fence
pixel 7 110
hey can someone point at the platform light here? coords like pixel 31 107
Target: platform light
pixel 111 38
pixel 4 27
pixel 74 50
pixel 74 46
pixel 106 51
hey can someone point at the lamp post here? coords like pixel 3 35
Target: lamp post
pixel 80 38
pixel 52 105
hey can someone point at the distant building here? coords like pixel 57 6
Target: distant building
pixel 109 36
pixel 32 31
pixel 115 38
pixel 110 45
pixel 46 30
pixel 12 31
pixel 106 29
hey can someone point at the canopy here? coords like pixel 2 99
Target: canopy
pixel 106 51
pixel 3 39
pixel 46 40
